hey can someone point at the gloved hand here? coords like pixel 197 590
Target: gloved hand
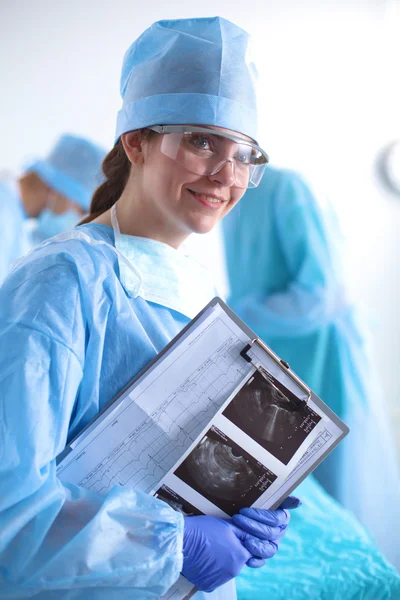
pixel 212 551
pixel 215 550
pixel 264 529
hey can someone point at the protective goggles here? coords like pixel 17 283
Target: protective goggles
pixel 206 151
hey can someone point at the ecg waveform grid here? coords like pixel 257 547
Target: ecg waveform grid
pixel 143 458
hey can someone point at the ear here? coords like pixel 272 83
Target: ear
pixel 132 144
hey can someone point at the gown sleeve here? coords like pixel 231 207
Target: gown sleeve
pixel 56 536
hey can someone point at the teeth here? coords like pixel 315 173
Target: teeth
pixel 208 198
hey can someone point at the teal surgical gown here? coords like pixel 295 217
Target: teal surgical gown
pixel 285 283
pixel 326 555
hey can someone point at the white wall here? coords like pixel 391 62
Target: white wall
pixel 329 103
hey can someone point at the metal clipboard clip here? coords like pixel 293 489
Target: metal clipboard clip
pixel 283 365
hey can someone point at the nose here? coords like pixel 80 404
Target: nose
pixel 224 173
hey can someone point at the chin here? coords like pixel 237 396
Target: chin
pixel 203 227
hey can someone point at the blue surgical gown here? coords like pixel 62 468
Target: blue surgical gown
pixel 12 218
pixel 70 340
pixel 286 284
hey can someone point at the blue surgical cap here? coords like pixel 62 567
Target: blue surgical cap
pixel 73 168
pixel 189 71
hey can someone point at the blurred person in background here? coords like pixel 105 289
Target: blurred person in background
pixel 286 282
pixel 50 197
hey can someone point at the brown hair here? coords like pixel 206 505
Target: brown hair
pixel 116 169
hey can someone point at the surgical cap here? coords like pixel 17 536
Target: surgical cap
pixel 189 71
pixel 73 168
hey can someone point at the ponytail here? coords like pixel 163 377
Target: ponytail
pixel 116 168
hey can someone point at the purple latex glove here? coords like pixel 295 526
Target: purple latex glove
pixel 264 529
pixel 212 551
pixel 215 550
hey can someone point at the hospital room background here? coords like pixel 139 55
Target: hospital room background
pixel 329 110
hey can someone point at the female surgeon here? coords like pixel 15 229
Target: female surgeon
pixel 87 310
pixel 54 191
pixel 286 281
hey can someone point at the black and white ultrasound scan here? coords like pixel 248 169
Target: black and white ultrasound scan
pixel 224 473
pixel 270 414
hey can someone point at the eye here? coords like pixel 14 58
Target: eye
pixel 200 141
pixel 244 155
pixel 243 158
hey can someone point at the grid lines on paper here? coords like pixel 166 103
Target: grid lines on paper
pixel 150 450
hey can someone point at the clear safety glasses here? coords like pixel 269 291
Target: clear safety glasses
pixel 206 151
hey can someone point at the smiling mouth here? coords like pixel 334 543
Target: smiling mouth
pixel 211 199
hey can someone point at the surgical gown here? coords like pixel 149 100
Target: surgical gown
pixel 70 340
pixel 12 219
pixel 286 284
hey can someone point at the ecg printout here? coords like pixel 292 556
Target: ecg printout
pixel 143 435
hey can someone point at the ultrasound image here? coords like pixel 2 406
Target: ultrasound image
pixel 177 502
pixel 224 473
pixel 268 412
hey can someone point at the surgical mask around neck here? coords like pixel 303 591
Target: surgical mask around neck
pixel 158 273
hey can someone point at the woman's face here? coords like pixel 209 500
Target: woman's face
pixel 188 202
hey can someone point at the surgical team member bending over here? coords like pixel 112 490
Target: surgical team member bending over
pixel 84 312
pixel 56 191
pixel 287 284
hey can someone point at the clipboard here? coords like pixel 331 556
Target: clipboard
pixel 216 343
